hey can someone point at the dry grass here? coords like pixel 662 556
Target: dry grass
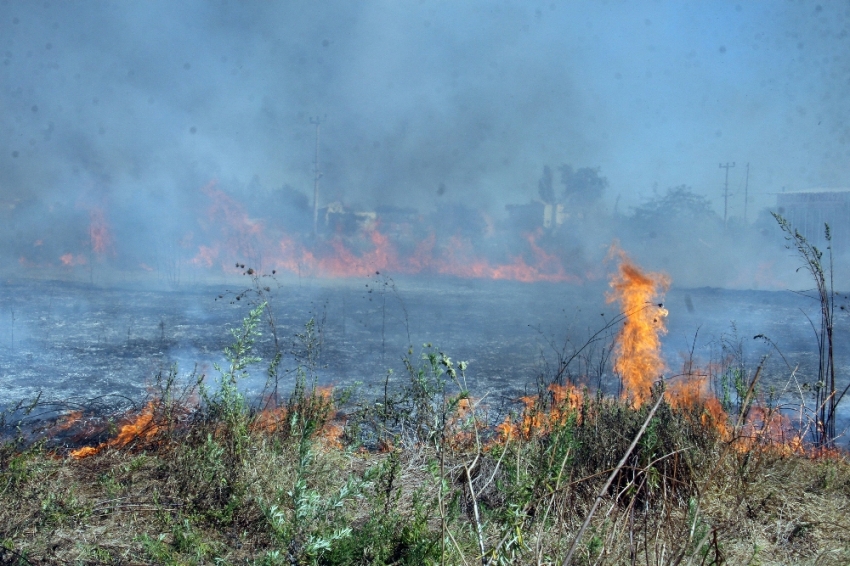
pixel 419 477
pixel 151 502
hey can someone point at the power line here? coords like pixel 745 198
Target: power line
pixel 726 192
pixel 746 197
pixel 318 175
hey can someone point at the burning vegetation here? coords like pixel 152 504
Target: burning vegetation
pixel 140 427
pixel 457 242
pixel 214 226
pixel 638 345
pixel 426 473
pixel 358 249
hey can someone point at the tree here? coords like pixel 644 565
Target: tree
pixel 545 188
pixel 582 186
pixel 678 204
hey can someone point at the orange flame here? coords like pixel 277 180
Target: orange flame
pixel 237 238
pixel 463 428
pixel 638 345
pixel 99 233
pixel 769 429
pixel 694 391
pixel 206 257
pixel 566 401
pixel 271 419
pixel 456 259
pixel 71 260
pixel 67 421
pixel 241 234
pixel 140 427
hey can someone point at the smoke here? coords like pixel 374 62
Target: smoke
pixel 131 109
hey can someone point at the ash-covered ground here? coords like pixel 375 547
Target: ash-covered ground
pixel 74 343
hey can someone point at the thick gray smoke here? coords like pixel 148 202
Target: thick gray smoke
pixel 121 113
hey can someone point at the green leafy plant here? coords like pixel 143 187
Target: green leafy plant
pixel 227 404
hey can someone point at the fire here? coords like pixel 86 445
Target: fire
pixel 770 429
pixel 236 238
pixel 71 260
pixel 269 419
pixel 240 233
pixel 272 418
pixel 638 345
pixel 345 263
pixel 459 260
pixel 206 257
pixel 566 401
pixel 694 391
pixel 67 421
pixel 464 427
pixel 100 235
pixel 140 427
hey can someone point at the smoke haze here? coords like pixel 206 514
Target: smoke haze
pixel 121 113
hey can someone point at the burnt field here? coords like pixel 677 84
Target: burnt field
pixel 84 346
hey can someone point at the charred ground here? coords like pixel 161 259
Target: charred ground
pixel 441 462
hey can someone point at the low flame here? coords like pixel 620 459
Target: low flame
pixel 226 236
pixel 272 418
pixel 768 427
pixel 638 345
pixel 566 400
pixel 694 391
pixel 240 239
pixel 71 260
pixel 66 422
pixel 637 356
pixel 140 427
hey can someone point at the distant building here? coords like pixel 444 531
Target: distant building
pixel 808 210
pixel 536 214
pixel 389 215
pixel 339 220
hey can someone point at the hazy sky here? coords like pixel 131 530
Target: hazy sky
pixel 143 102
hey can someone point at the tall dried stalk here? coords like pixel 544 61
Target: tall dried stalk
pixel 827 397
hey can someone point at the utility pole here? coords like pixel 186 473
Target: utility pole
pixel 726 192
pixel 746 189
pixel 318 175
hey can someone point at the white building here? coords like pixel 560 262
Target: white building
pixel 808 210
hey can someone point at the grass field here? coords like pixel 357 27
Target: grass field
pixel 699 468
pixel 424 475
